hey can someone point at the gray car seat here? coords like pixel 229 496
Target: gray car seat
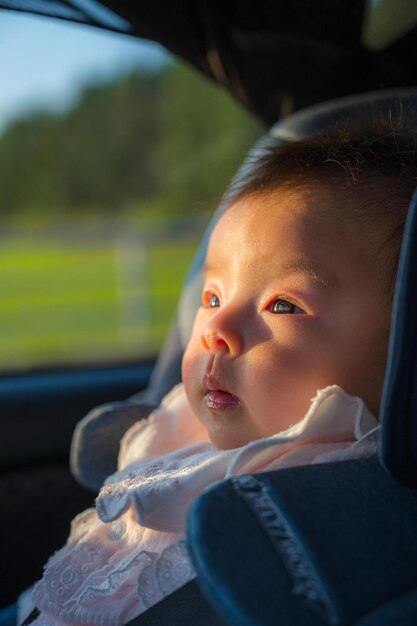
pixel 329 544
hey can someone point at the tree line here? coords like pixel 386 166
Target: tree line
pixel 157 141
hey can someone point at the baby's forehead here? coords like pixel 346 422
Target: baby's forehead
pixel 313 206
pixel 311 218
pixel 323 205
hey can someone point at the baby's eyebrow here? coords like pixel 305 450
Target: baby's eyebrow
pixel 209 266
pixel 299 265
pixel 304 265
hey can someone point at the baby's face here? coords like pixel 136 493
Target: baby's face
pixel 290 304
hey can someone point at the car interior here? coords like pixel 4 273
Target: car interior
pixel 344 552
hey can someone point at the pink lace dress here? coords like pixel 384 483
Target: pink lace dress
pixel 129 552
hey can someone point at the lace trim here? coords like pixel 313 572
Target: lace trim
pixel 69 594
pixel 162 577
pixel 305 578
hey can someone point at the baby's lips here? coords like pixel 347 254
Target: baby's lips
pixel 217 397
pixel 221 400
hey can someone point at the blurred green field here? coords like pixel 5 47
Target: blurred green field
pixel 86 302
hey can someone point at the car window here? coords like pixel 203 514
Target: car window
pixel 112 156
pixel 387 20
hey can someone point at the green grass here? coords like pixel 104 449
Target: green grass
pixel 79 303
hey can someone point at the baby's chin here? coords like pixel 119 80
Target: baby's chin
pixel 227 442
pixel 228 437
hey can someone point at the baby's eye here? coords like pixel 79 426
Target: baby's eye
pixel 213 301
pixel 210 300
pixel 280 306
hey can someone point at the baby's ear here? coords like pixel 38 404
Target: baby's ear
pixel 96 439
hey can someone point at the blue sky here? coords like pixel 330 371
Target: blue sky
pixel 44 62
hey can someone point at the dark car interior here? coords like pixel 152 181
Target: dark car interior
pixel 344 553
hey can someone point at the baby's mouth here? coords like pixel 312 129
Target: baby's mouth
pixel 217 397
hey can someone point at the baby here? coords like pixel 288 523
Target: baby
pixel 298 287
pixel 284 367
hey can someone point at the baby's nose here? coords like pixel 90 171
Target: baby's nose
pixel 216 339
pixel 212 341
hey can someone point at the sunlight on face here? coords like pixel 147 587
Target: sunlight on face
pixel 290 304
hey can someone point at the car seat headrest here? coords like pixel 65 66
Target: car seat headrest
pixel 398 451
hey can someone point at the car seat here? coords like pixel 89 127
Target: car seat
pixel 325 544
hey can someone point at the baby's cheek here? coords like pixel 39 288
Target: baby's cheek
pixel 188 371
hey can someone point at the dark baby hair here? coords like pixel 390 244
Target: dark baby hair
pixel 373 169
